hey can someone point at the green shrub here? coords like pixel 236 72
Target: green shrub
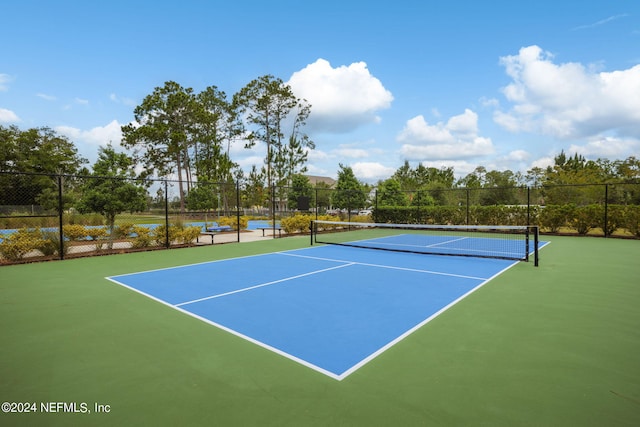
pixel 585 218
pixel 74 231
pixel 631 219
pixel 123 230
pixel 187 235
pixel 51 244
pixel 142 237
pixel 552 217
pixel 16 245
pixel 615 218
pixel 297 223
pixel 160 234
pixel 232 221
pixel 95 233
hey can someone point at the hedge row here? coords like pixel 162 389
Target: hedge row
pixel 24 241
pixel 551 218
pixel 300 223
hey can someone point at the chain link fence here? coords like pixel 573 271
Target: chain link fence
pixel 60 216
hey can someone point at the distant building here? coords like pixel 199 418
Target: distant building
pixel 314 180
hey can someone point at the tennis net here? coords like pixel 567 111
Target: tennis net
pixel 499 241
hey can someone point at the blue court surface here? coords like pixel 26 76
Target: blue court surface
pixel 330 308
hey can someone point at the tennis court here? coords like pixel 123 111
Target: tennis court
pixel 331 308
pixel 552 345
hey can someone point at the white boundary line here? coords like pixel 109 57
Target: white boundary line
pixel 418 326
pixel 192 264
pixel 233 332
pixel 263 284
pixel 387 266
pixel 290 356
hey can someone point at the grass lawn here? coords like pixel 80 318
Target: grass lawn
pixel 556 345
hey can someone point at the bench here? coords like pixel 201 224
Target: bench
pixel 214 229
pixel 277 227
pixel 207 233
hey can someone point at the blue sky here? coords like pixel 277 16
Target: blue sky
pixel 502 84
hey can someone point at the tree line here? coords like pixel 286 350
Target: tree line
pixel 179 133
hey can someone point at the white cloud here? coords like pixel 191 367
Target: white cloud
pixel 568 101
pixel 4 80
pixel 417 129
pixel 8 116
pixel 607 147
pixel 456 139
pixel 518 156
pixel 464 124
pixel 460 149
pixel 371 171
pixel 601 22
pixel 543 162
pixel 81 101
pixel 97 136
pixel 247 162
pixel 319 156
pixel 341 98
pixel 126 101
pixel 46 97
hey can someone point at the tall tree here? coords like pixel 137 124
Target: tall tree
pixel 218 125
pixel 255 195
pixel 499 188
pixel 267 103
pixel 350 193
pixel 296 153
pixel 41 151
pixel 112 189
pixel 405 177
pixel 390 194
pixel 300 187
pixel 163 131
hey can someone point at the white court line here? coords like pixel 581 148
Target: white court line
pixel 233 332
pixel 175 267
pixel 439 273
pixel 303 362
pixel 418 326
pixel 264 284
pixel 446 242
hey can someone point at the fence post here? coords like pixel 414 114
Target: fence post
pixel 606 209
pixel 375 203
pixel 467 206
pixel 238 207
pixel 528 205
pixel 60 212
pixel 166 213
